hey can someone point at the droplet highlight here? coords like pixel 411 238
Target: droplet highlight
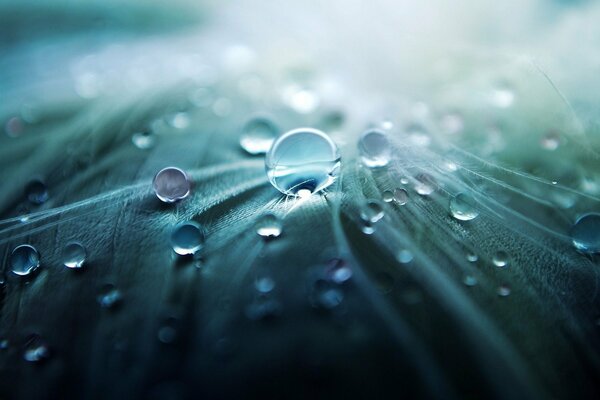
pixel 74 255
pixel 24 259
pixel 187 238
pixel 269 226
pixel 374 148
pixel 258 135
pixel 463 207
pixel 171 184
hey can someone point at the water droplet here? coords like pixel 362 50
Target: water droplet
pixel 338 271
pixel 143 140
pixel 404 256
pixel 36 350
pixel 268 226
pixel 372 212
pixel 503 290
pixel 74 255
pixel 264 284
pixel 550 141
pixel 367 228
pixel 325 295
pixel 470 280
pixel 586 233
pixel 24 259
pixel 187 238
pixel 404 181
pixel 472 257
pixel 388 196
pixel 171 184
pixel 36 192
pixel 258 135
pixel 463 208
pixel 302 158
pixel 424 185
pixel 180 120
pixel 4 344
pixel 109 296
pixel 401 196
pixel 500 259
pixel 375 148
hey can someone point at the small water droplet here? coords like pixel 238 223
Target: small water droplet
pixel 109 296
pixel 425 185
pixel 404 256
pixel 258 135
pixel 503 290
pixel 4 344
pixel 367 228
pixel 264 284
pixel 585 233
pixel 187 238
pixel 143 140
pixel 388 196
pixel 550 141
pixel 400 196
pixel 180 120
pixel 463 207
pixel 372 212
pixel 375 148
pixel 171 184
pixel 24 259
pixel 325 295
pixel 338 271
pixel 472 257
pixel 500 259
pixel 74 255
pixel 36 192
pixel 300 159
pixel 36 350
pixel 470 280
pixel 269 226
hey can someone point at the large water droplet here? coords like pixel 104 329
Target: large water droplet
pixel 143 140
pixel 300 159
pixel 586 233
pixel 268 226
pixel 74 255
pixel 187 238
pixel 372 212
pixel 401 196
pixel 24 259
pixel 503 290
pixel 388 196
pixel 500 259
pixel 171 184
pixel 470 280
pixel 375 148
pixel 36 350
pixel 258 135
pixel 550 141
pixel 36 192
pixel 463 207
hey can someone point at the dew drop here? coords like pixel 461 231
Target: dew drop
pixel 463 208
pixel 372 212
pixel 264 284
pixel 180 120
pixel 109 297
pixel 338 271
pixel 143 140
pixel 374 148
pixel 24 259
pixel 300 159
pixel 550 141
pixel 424 185
pixel 401 196
pixel 404 256
pixel 503 290
pixel 469 280
pixel 585 234
pixel 325 295
pixel 388 196
pixel 269 226
pixel 36 192
pixel 500 259
pixel 404 181
pixel 258 135
pixel 187 238
pixel 472 257
pixel 36 350
pixel 74 255
pixel 171 184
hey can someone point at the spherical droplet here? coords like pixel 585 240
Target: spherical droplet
pixel 586 233
pixel 171 184
pixel 372 212
pixel 187 238
pixel 264 284
pixel 472 257
pixel 143 140
pixel 36 350
pixel 258 135
pixel 424 185
pixel 36 192
pixel 24 259
pixel 470 280
pixel 463 207
pixel 74 255
pixel 404 256
pixel 388 196
pixel 338 271
pixel 400 196
pixel 375 148
pixel 550 141
pixel 503 290
pixel 268 226
pixel 500 259
pixel 300 159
